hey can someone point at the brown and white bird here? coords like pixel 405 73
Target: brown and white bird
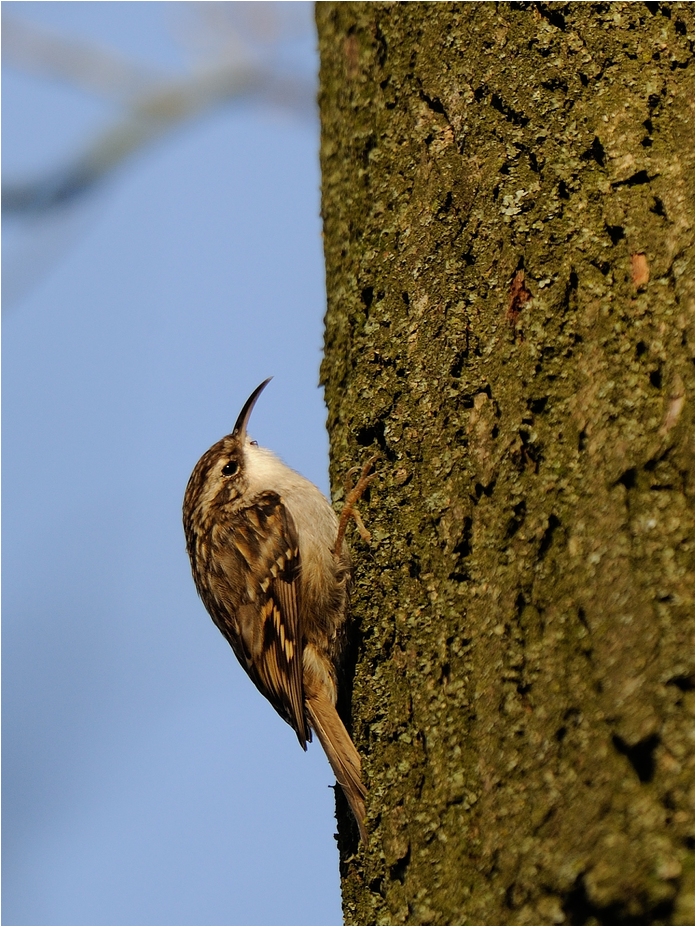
pixel 271 566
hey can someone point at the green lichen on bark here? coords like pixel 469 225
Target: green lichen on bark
pixel 507 197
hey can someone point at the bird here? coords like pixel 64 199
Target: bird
pixel 270 562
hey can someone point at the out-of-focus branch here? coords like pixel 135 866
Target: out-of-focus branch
pixel 149 119
pixel 156 105
pixel 93 68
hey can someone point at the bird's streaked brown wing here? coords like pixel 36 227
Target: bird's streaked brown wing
pixel 266 633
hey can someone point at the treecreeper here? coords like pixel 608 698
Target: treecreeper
pixel 271 564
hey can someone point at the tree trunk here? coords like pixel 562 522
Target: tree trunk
pixel 507 204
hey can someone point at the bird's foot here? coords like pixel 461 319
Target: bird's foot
pixel 353 495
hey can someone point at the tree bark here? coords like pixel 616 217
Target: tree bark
pixel 507 199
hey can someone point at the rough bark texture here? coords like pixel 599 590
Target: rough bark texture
pixel 507 203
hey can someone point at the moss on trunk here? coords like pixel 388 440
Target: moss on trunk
pixel 507 204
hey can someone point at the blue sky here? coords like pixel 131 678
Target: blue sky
pixel 145 781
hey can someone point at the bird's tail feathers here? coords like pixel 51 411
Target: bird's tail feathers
pixel 341 753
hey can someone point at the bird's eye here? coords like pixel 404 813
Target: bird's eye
pixel 254 443
pixel 230 468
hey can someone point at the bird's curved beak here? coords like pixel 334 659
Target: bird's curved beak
pixel 243 417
